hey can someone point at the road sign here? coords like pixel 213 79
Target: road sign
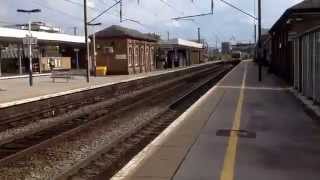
pixel 30 40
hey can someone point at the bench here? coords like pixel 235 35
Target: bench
pixel 58 74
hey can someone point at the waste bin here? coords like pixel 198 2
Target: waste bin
pixel 101 70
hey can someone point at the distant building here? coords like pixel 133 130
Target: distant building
pixel 244 48
pixel 204 53
pixel 40 26
pixel 213 51
pixel 225 47
pixel 179 53
pixel 125 51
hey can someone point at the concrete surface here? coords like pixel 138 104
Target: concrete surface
pixel 286 146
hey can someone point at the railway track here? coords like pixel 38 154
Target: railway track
pixel 129 143
pixel 55 109
pixel 28 143
pixel 106 164
pixel 13 146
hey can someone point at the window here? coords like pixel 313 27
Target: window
pixel 151 56
pixel 142 56
pixel 136 51
pixel 147 58
pixel 130 58
pixel 108 49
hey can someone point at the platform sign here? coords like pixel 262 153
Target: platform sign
pixel 121 56
pixel 30 40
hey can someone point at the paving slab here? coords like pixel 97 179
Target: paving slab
pixel 286 144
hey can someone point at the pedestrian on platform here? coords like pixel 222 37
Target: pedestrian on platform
pixel 51 64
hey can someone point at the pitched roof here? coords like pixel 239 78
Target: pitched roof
pixel 307 4
pixel 119 31
pixel 304 6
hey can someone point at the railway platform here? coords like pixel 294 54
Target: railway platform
pixel 15 91
pixel 241 129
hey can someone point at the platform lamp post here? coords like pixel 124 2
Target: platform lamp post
pixel 0 61
pixel 94 46
pixel 30 41
pixel 86 39
pixel 259 41
pixel 76 50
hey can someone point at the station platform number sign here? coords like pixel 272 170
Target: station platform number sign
pixel 30 40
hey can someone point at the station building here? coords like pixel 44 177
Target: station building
pixel 295 48
pixel 125 51
pixel 179 53
pixel 225 47
pixel 67 51
pixel 246 48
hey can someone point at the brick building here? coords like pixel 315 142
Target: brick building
pixel 125 51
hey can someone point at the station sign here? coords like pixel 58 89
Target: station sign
pixel 30 40
pixel 121 56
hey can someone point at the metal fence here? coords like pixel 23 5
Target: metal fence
pixel 307 64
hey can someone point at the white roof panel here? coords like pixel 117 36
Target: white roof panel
pixel 44 36
pixel 182 42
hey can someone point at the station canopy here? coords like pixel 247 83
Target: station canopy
pixel 180 42
pixel 10 34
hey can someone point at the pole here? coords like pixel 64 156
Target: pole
pixel 168 35
pixel 120 10
pixel 255 33
pixel 259 41
pixel 77 59
pixel 94 54
pixel 199 41
pixel 199 35
pixel 30 56
pixel 75 31
pixel 254 22
pixel 20 60
pixel 0 63
pixel 86 39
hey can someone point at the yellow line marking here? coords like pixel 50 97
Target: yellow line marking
pixel 227 172
pixel 256 88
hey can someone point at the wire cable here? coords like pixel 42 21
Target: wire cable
pixel 235 7
pixel 103 12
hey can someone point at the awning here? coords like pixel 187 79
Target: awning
pixel 9 34
pixel 180 42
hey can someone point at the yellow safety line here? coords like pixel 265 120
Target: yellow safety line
pixel 227 172
pixel 256 88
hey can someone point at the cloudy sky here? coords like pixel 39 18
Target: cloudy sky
pixel 154 16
